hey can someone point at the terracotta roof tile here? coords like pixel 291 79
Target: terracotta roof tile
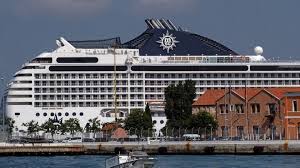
pixel 211 96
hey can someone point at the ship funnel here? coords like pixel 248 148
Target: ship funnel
pixel 166 24
pixel 148 22
pixel 172 25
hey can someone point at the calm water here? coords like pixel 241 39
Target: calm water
pixel 217 161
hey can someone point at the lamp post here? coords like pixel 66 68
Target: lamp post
pixel 192 130
pixel 210 131
pixel 205 133
pixel 173 132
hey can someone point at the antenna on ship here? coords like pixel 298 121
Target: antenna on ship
pixel 114 46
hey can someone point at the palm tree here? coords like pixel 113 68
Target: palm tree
pixel 49 127
pixel 10 125
pixel 94 125
pixel 71 125
pixel 32 127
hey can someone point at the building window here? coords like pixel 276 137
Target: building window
pixel 222 108
pixel 240 131
pixel 272 108
pixel 255 108
pixel 295 106
pixel 224 131
pixel 239 108
pixel 256 132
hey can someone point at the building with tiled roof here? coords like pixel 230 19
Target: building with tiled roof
pixel 253 113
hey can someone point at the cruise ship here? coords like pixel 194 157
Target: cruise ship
pixel 108 79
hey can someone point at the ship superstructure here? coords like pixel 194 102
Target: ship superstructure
pixel 78 79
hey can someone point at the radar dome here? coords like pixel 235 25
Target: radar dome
pixel 258 50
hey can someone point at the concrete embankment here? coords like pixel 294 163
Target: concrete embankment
pixel 109 148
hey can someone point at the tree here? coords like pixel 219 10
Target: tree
pixel 179 99
pixel 49 127
pixel 204 120
pixel 93 125
pixel 32 127
pixel 147 118
pixel 71 125
pixel 134 120
pixel 10 125
pixel 139 122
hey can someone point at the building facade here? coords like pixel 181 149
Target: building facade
pixel 255 113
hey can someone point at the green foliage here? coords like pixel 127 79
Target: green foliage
pixel 10 125
pixel 201 121
pixel 32 127
pixel 49 127
pixel 93 125
pixel 139 122
pixel 204 120
pixel 134 120
pixel 179 99
pixel 71 125
pixel 147 119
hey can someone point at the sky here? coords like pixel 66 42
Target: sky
pixel 29 27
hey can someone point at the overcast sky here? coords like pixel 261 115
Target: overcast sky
pixel 29 27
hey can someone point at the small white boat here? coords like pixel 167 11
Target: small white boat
pixel 136 159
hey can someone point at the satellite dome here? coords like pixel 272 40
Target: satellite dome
pixel 258 50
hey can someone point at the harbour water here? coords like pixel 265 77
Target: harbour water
pixel 166 161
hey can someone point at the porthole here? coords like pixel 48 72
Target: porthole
pixel 52 114
pixel 74 114
pixel 154 121
pixel 37 114
pixel 67 114
pixel 162 121
pixel 59 114
pixel 45 114
pixel 81 113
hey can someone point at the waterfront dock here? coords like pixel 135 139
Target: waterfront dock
pixel 155 148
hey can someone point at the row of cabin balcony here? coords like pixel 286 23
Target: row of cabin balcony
pixel 86 90
pixel 88 104
pixel 87 76
pixel 96 97
pixel 168 75
pixel 165 83
pixel 85 83
pixel 223 75
pixel 86 97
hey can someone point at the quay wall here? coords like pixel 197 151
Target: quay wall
pixel 155 148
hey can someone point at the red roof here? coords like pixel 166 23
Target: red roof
pixel 211 96
pixel 119 133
